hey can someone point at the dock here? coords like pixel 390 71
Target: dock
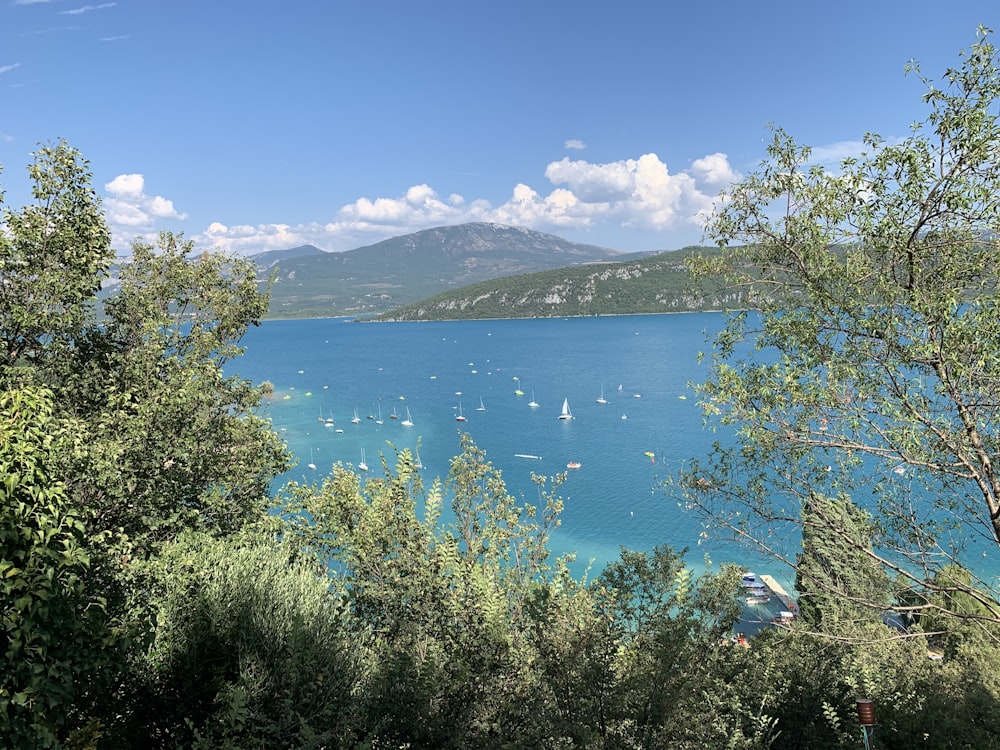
pixel 776 587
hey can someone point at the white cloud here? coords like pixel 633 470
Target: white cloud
pixel 575 144
pixel 639 194
pixel 714 171
pixel 8 68
pixel 86 9
pixel 833 154
pixel 126 185
pixel 131 212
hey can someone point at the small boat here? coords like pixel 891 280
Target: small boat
pixel 460 417
pixel 566 414
pixel 758 599
pixel 783 618
pixel 311 463
pixel 481 407
pixel 356 419
pixel 601 399
pixel 379 420
pixel 361 464
pixel 408 422
pixel 533 404
pixel 394 415
pixel 417 464
pixel 573 465
pixel 527 455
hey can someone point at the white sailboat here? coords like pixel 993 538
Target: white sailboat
pixel 408 422
pixel 361 464
pixel 533 404
pixel 460 417
pixel 481 406
pixel 356 419
pixel 601 399
pixel 566 414
pixel 379 420
pixel 311 463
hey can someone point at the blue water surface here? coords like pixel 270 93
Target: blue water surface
pixel 650 426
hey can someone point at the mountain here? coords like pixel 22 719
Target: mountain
pixel 403 270
pixel 271 258
pixel 657 283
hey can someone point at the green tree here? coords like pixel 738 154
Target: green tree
pixel 174 442
pixel 52 629
pixel 440 597
pixel 53 255
pixel 870 368
pixel 250 651
pixel 835 583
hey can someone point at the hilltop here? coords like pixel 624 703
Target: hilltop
pixel 400 271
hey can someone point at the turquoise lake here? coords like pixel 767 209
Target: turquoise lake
pixel 643 365
pixel 327 368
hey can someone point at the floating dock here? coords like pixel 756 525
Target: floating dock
pixel 772 584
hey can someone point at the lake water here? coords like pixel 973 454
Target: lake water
pixel 429 371
pixel 643 365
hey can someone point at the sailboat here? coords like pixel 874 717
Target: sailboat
pixel 393 415
pixel 481 406
pixel 460 417
pixel 379 420
pixel 361 464
pixel 311 463
pixel 533 404
pixel 565 410
pixel 408 422
pixel 601 399
pixel 356 419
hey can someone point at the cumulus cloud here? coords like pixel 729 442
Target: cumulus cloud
pixel 580 196
pixel 130 212
pixel 575 144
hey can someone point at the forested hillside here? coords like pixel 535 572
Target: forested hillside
pixel 656 284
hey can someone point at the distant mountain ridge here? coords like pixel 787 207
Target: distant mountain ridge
pixel 659 283
pixel 399 271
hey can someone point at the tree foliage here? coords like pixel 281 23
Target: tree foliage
pixel 869 370
pixel 53 255
pixel 51 626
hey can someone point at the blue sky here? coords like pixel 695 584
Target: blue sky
pixel 256 126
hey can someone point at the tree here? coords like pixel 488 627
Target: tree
pixel 870 367
pixel 250 651
pixel 174 441
pixel 51 627
pixel 53 256
pixel 836 583
pixel 440 600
